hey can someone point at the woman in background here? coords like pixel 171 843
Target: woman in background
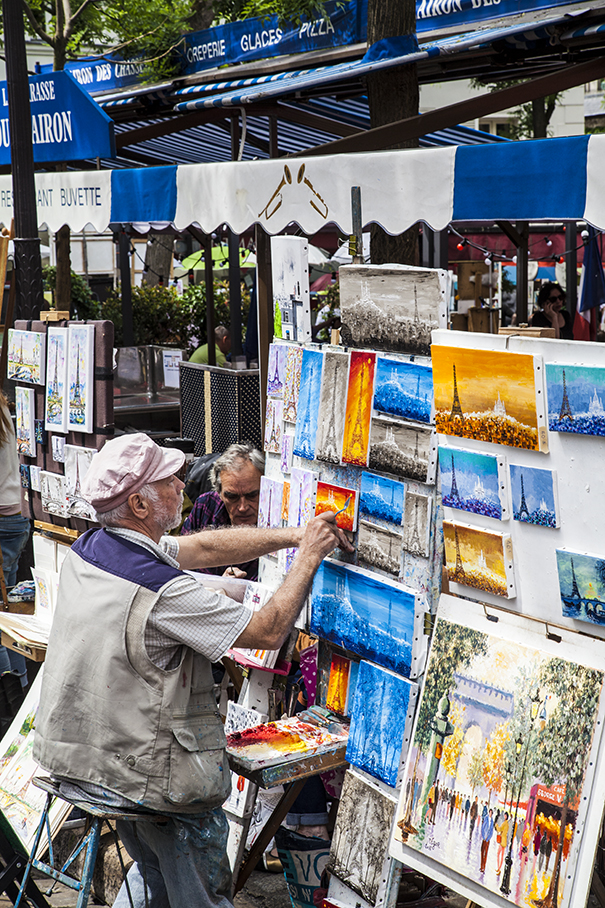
pixel 551 314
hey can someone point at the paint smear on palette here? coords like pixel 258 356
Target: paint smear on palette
pixel 286 739
pixel 273 423
pixel 285 501
pixel 333 498
pixel 479 558
pixel 276 369
pixel 490 395
pixel 308 404
pixel 292 382
pixel 359 408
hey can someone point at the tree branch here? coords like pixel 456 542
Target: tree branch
pixel 77 14
pixel 35 25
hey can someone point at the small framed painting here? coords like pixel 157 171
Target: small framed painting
pixel 80 376
pixel 55 413
pixel 26 430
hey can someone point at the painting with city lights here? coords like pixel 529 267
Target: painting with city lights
pixel 25 429
pixel 402 448
pixel 359 408
pixel 273 425
pixel 417 523
pixel 490 395
pixel 308 404
pixel 403 389
pixel 80 378
pixel 276 369
pixel 332 407
pixel 382 498
pixel 582 585
pixel 473 481
pixel 501 763
pixel 575 398
pixel 26 360
pixel 55 413
pixel 292 382
pixel 380 547
pixel 534 496
pixel 366 614
pixel 382 708
pixel 391 307
pixel 334 498
pixel 77 462
pixel 479 558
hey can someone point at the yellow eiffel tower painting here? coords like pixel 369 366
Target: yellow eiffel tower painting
pixel 359 408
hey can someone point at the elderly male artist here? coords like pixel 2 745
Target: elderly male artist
pixel 233 500
pixel 127 713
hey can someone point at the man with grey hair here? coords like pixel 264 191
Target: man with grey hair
pixel 127 714
pixel 233 501
pixel 222 346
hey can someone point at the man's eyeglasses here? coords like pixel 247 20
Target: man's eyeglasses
pixel 249 496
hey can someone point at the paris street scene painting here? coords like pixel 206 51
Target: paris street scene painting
pixel 403 389
pixel 402 448
pixel 331 416
pixel 366 614
pixel 358 413
pixel 308 404
pixel 534 496
pixel 382 498
pixel 379 716
pixel 390 307
pixel 582 585
pixel 479 558
pixel 575 398
pixel 361 836
pixel 489 395
pixel 500 763
pixel 471 481
pixel 26 360
pixel 80 377
pixel 380 547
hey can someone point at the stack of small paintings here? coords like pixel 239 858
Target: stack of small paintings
pixel 575 398
pixel 404 389
pixel 502 762
pixel 417 523
pixel 534 496
pixel 582 585
pixel 489 395
pixel 391 307
pixel 472 481
pixel 340 501
pixel 26 360
pixel 366 614
pixel 382 708
pixel 479 558
pixel 403 449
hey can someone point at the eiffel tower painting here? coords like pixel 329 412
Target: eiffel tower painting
pixel 331 416
pixel 357 418
pixel 523 512
pixel 305 437
pixel 415 529
pixel 565 412
pixel 456 406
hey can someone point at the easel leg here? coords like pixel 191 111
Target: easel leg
pixel 268 832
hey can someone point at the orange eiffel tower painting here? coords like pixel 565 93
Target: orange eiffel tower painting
pixel 359 408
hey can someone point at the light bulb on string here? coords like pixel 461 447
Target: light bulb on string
pixel 548 241
pixel 514 259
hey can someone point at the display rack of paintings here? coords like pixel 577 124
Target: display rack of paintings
pixel 56 403
pixel 504 758
pixel 26 361
pixel 25 428
pixel 80 378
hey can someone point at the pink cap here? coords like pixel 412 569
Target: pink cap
pixel 125 464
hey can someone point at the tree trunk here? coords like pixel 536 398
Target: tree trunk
pixel 392 95
pixel 158 259
pixel 202 16
pixel 539 118
pixel 63 282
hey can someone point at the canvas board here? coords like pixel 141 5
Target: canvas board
pixel 56 399
pixel 534 496
pixel 26 359
pixel 417 523
pixel 308 404
pixel 287 450
pixel 292 382
pixel 548 693
pixel 381 498
pixel 77 463
pixel 582 585
pixel 53 489
pixel 380 547
pixel 404 449
pixel 302 497
pixel 24 429
pixel 474 481
pixel 342 680
pixel 80 378
pixel 403 389
pixel 575 398
pixel 392 307
pixel 276 370
pixel 290 283
pixel 490 395
pixel 273 425
pixel 479 559
pixel 333 498
pixel 360 394
pixel 332 400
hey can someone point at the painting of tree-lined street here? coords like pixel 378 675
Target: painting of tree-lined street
pixel 500 764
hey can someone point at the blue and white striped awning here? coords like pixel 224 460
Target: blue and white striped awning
pixel 548 179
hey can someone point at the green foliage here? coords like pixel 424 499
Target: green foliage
pixel 454 647
pixel 84 305
pixel 163 317
pixel 287 11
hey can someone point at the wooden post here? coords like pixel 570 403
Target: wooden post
pixel 126 288
pixel 356 238
pixel 209 287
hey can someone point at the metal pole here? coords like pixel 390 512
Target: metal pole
pixel 235 287
pixel 356 238
pixel 126 289
pixel 28 265
pixel 209 285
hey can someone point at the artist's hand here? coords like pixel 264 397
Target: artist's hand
pixel 322 536
pixel 234 572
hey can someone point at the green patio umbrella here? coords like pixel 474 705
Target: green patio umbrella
pixel 220 259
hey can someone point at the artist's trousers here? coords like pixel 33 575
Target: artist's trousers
pixel 184 861
pixel 14 533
